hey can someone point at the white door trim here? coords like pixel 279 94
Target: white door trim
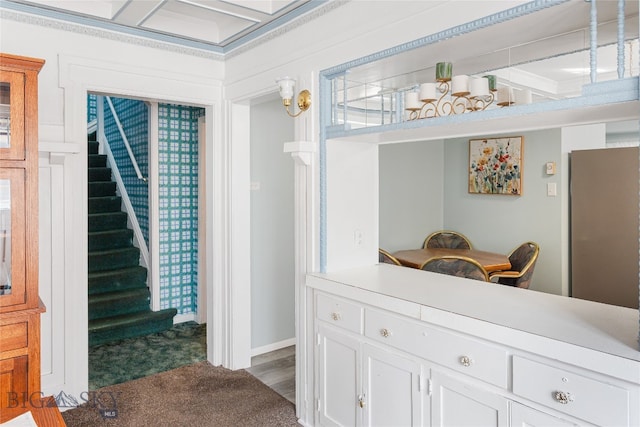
pixel 77 77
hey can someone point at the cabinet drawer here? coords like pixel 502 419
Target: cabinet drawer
pixel 13 336
pixel 589 399
pixel 339 312
pixel 474 358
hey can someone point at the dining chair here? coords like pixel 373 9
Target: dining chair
pixel 523 260
pixel 460 266
pixel 386 258
pixel 446 239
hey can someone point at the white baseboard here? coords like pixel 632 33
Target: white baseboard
pixel 272 347
pixel 181 318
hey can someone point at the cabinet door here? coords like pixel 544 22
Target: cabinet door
pixel 392 389
pixel 14 386
pixel 12 110
pixel 12 237
pixel 523 416
pixel 457 403
pixel 339 379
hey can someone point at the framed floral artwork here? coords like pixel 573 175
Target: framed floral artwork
pixel 495 165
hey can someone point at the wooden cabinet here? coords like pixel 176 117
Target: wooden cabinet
pixel 20 306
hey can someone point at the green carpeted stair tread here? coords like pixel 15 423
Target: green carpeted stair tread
pixel 120 279
pixel 99 174
pixel 97 160
pixel 107 221
pixel 102 188
pixel 118 303
pixel 113 259
pixel 124 294
pixel 105 204
pixel 110 239
pixel 130 325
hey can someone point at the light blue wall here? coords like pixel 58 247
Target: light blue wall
pixel 411 193
pixel 496 223
pixel 499 223
pixel 272 227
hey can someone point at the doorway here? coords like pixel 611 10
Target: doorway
pixel 153 165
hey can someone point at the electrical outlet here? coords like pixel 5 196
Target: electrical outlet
pixel 357 238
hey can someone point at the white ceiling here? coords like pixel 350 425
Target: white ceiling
pixel 215 25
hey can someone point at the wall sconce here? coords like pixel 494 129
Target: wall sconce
pixel 286 85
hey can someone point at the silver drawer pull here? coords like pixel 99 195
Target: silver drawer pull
pixel 385 332
pixel 336 316
pixel 563 397
pixel 466 361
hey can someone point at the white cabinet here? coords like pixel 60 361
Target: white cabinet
pixel 565 390
pixel 339 382
pixel 394 389
pixel 458 403
pixel 379 365
pixel 361 384
pixel 524 416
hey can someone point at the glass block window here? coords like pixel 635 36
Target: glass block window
pixel 134 118
pixel 178 181
pixel 92 107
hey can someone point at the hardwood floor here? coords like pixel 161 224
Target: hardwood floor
pixel 277 369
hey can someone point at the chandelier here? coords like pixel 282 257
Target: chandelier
pixel 455 95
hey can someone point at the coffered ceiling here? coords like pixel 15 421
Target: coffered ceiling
pixel 214 25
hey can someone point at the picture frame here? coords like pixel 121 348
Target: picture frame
pixel 495 165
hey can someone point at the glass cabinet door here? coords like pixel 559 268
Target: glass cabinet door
pixel 12 237
pixel 12 115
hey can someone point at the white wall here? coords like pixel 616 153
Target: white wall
pixel 272 249
pixel 352 207
pixel 411 193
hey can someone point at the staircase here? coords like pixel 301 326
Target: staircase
pixel 118 293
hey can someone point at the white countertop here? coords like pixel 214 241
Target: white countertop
pixel 605 328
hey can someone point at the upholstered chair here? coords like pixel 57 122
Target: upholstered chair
pixel 386 258
pixel 523 260
pixel 446 239
pixel 456 266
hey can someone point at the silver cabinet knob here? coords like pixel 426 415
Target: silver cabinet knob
pixel 385 332
pixel 563 397
pixel 466 361
pixel 336 316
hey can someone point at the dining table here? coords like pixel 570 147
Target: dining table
pixel 415 258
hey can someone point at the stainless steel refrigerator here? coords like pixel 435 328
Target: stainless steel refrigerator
pixel 604 225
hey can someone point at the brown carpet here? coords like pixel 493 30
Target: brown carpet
pixel 195 395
